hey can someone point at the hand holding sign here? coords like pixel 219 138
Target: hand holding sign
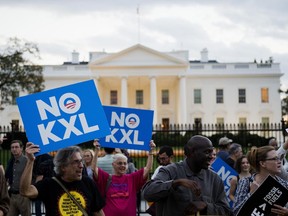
pixel 30 150
pixel 270 195
pixel 152 146
pixel 130 128
pixel 279 210
pixel 63 116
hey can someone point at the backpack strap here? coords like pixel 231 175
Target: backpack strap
pixel 71 197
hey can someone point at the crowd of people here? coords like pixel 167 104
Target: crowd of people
pixel 79 182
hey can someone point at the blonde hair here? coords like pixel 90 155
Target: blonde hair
pixel 90 151
pixel 91 154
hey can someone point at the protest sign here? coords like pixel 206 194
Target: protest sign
pixel 63 116
pixel 226 173
pixel 130 128
pixel 261 201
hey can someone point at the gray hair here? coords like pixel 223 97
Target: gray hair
pixel 234 148
pixel 63 158
pixel 119 156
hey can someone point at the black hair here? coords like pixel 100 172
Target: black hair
pixel 166 149
pixel 109 150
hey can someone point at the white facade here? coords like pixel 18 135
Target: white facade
pixel 155 73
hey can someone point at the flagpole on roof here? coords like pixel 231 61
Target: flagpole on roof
pixel 138 14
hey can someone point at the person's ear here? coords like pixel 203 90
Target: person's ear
pixel 262 163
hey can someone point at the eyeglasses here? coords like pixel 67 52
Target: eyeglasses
pixel 77 162
pixel 274 159
pixel 163 158
pixel 121 163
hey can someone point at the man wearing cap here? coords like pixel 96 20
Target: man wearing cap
pixel 224 145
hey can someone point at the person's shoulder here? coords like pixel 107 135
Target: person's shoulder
pixel 23 158
pixel 246 180
pixel 173 167
pixel 105 157
pixel 87 179
pixel 211 173
pixel 234 179
pixel 46 181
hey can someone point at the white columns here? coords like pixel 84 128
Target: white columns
pixel 96 80
pixel 182 102
pixel 153 97
pixel 124 100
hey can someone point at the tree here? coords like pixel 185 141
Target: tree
pixel 284 102
pixel 17 72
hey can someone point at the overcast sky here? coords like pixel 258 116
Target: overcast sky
pixel 232 31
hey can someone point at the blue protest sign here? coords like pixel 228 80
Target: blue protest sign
pixel 63 116
pixel 226 173
pixel 130 128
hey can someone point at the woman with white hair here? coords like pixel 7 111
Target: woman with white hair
pixel 120 189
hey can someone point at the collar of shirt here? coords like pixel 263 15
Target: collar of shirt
pixel 189 173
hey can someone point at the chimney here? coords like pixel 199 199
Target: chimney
pixel 204 55
pixel 75 57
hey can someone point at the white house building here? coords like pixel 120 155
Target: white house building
pixel 179 90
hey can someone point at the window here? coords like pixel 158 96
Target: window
pixel 243 123
pixel 265 120
pixel 219 96
pixel 165 123
pixel 264 95
pixel 197 96
pixel 242 120
pixel 242 95
pixel 139 96
pixel 220 121
pixel 113 97
pixel 265 125
pixel 15 124
pixel 15 94
pixel 197 124
pixel 165 96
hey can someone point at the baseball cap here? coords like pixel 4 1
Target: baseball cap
pixel 225 141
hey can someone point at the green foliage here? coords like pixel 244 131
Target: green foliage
pixel 284 105
pixel 168 138
pixel 17 72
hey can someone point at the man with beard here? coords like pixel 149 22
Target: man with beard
pixel 54 192
pixel 188 187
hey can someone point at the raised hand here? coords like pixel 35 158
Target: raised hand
pixel 31 149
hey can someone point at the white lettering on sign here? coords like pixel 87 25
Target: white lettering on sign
pixel 225 175
pixel 257 213
pixel 131 121
pixel 273 195
pixel 226 178
pixel 69 103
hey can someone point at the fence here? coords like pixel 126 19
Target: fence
pixel 177 136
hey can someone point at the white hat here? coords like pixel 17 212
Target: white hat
pixel 225 141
